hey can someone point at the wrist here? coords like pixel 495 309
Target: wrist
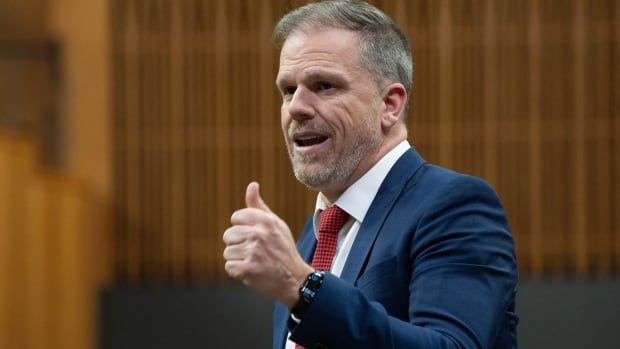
pixel 296 281
pixel 307 293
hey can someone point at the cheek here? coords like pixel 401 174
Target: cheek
pixel 284 118
pixel 285 123
pixel 342 117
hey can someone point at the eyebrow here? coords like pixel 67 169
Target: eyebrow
pixel 312 75
pixel 323 74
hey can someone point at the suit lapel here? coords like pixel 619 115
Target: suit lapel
pixel 388 192
pixel 307 242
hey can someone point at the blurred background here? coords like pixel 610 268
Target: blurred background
pixel 129 130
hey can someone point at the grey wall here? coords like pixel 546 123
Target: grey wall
pixel 569 314
pixel 554 314
pixel 210 316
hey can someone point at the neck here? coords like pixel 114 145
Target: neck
pixel 394 138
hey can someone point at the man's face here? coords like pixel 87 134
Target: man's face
pixel 331 115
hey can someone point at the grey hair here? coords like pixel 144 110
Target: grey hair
pixel 384 50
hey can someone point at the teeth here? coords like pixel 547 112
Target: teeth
pixel 307 141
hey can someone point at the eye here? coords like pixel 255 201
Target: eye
pixel 289 90
pixel 324 85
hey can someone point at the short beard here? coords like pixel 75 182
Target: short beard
pixel 338 168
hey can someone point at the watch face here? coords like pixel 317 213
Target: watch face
pixel 308 293
pixel 315 280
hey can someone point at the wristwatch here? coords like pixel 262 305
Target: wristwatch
pixel 307 292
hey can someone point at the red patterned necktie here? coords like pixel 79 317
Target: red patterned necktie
pixel 331 221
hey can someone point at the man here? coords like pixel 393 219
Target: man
pixel 399 253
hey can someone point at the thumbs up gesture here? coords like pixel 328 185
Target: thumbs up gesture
pixel 253 199
pixel 260 251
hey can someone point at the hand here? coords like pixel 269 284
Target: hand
pixel 260 251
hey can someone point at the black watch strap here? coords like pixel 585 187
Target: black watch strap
pixel 307 293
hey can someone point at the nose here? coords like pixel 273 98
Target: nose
pixel 300 106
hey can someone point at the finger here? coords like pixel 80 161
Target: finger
pixel 251 216
pixel 234 269
pixel 253 198
pixel 237 234
pixel 235 252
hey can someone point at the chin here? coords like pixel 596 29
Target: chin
pixel 314 179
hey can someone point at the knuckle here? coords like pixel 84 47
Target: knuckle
pixel 235 270
pixel 229 269
pixel 251 234
pixel 268 224
pixel 253 255
pixel 258 233
pixel 273 221
pixel 250 247
pixel 226 235
pixel 235 216
pixel 252 270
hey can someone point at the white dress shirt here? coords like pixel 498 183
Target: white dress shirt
pixel 355 201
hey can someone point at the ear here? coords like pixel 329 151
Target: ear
pixel 394 101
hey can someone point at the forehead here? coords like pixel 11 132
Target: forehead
pixel 330 49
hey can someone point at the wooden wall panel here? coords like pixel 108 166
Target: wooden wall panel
pixel 81 94
pixel 53 247
pixel 614 103
pixel 51 253
pixel 522 93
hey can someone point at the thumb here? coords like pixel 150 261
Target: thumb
pixel 253 199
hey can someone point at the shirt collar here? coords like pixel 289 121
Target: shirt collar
pixel 356 200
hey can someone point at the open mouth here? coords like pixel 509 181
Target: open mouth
pixel 307 140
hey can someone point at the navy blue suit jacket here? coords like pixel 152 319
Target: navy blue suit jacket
pixel 432 266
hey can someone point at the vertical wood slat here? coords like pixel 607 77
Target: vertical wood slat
pixel 222 109
pixel 177 150
pixel 37 289
pixel 268 112
pixel 166 147
pixel 445 83
pixel 119 226
pixel 600 210
pixel 20 158
pixel 4 246
pixel 131 160
pixel 490 57
pixel 534 248
pixel 615 130
pixel 192 72
pixel 495 95
pixel 74 295
pixel 209 214
pixel 580 199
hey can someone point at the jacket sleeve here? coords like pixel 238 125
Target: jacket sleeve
pixel 462 280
